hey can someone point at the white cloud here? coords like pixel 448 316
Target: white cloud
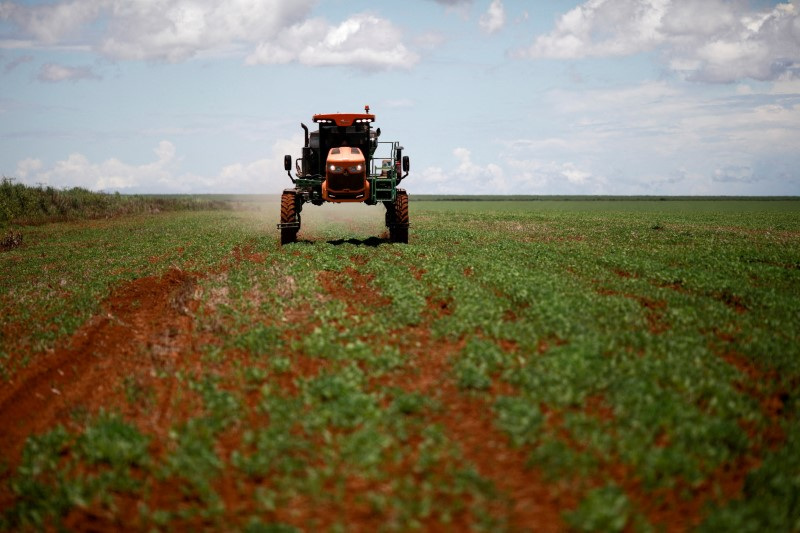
pixel 602 28
pixel 27 167
pixel 364 41
pixel 705 40
pixel 661 138
pixel 516 176
pixel 163 175
pixel 112 174
pixel 51 72
pixel 270 31
pixel 465 177
pixel 494 19
pixel 175 30
pixel 51 23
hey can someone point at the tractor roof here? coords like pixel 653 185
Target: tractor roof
pixel 344 119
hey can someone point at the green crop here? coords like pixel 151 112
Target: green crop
pixel 630 354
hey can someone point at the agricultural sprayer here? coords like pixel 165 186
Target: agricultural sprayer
pixel 343 161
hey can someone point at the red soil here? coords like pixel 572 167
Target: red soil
pixel 145 326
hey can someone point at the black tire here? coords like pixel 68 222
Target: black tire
pixel 289 214
pixel 398 230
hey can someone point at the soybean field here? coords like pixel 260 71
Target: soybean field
pixel 542 365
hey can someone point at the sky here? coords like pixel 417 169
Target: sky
pixel 641 97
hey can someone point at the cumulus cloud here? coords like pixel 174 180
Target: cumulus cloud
pixel 267 31
pixel 112 174
pixel 490 175
pixel 28 167
pixel 175 30
pixel 465 176
pixel 51 72
pixel 162 175
pixel 516 176
pixel 364 41
pixel 494 19
pixel 705 40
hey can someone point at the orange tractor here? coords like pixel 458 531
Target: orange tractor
pixel 342 162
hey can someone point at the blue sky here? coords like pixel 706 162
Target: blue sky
pixel 487 96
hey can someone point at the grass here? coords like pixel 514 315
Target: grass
pixel 642 354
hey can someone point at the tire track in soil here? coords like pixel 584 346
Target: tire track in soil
pixel 145 326
pixel 531 503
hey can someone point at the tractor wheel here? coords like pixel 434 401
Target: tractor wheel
pixel 289 214
pixel 398 231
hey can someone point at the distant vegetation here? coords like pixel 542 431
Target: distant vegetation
pixel 25 205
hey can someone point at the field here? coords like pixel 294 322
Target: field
pixel 540 365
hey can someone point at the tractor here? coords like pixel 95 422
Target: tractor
pixel 343 161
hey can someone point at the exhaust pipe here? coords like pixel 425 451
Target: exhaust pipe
pixel 306 135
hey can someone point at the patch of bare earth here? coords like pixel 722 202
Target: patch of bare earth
pixel 145 328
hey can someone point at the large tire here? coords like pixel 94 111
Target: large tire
pixel 398 230
pixel 289 214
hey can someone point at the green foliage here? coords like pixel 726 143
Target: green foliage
pixel 477 362
pixel 113 442
pixel 274 450
pixel 771 494
pixel 259 340
pixel 21 204
pixel 339 400
pixel 605 509
pixel 47 484
pixel 519 418
pixel 194 461
pixel 222 406
pixel 410 403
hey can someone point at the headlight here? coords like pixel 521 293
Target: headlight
pixel 334 168
pixel 356 168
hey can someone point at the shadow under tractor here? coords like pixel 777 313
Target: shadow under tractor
pixel 343 161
